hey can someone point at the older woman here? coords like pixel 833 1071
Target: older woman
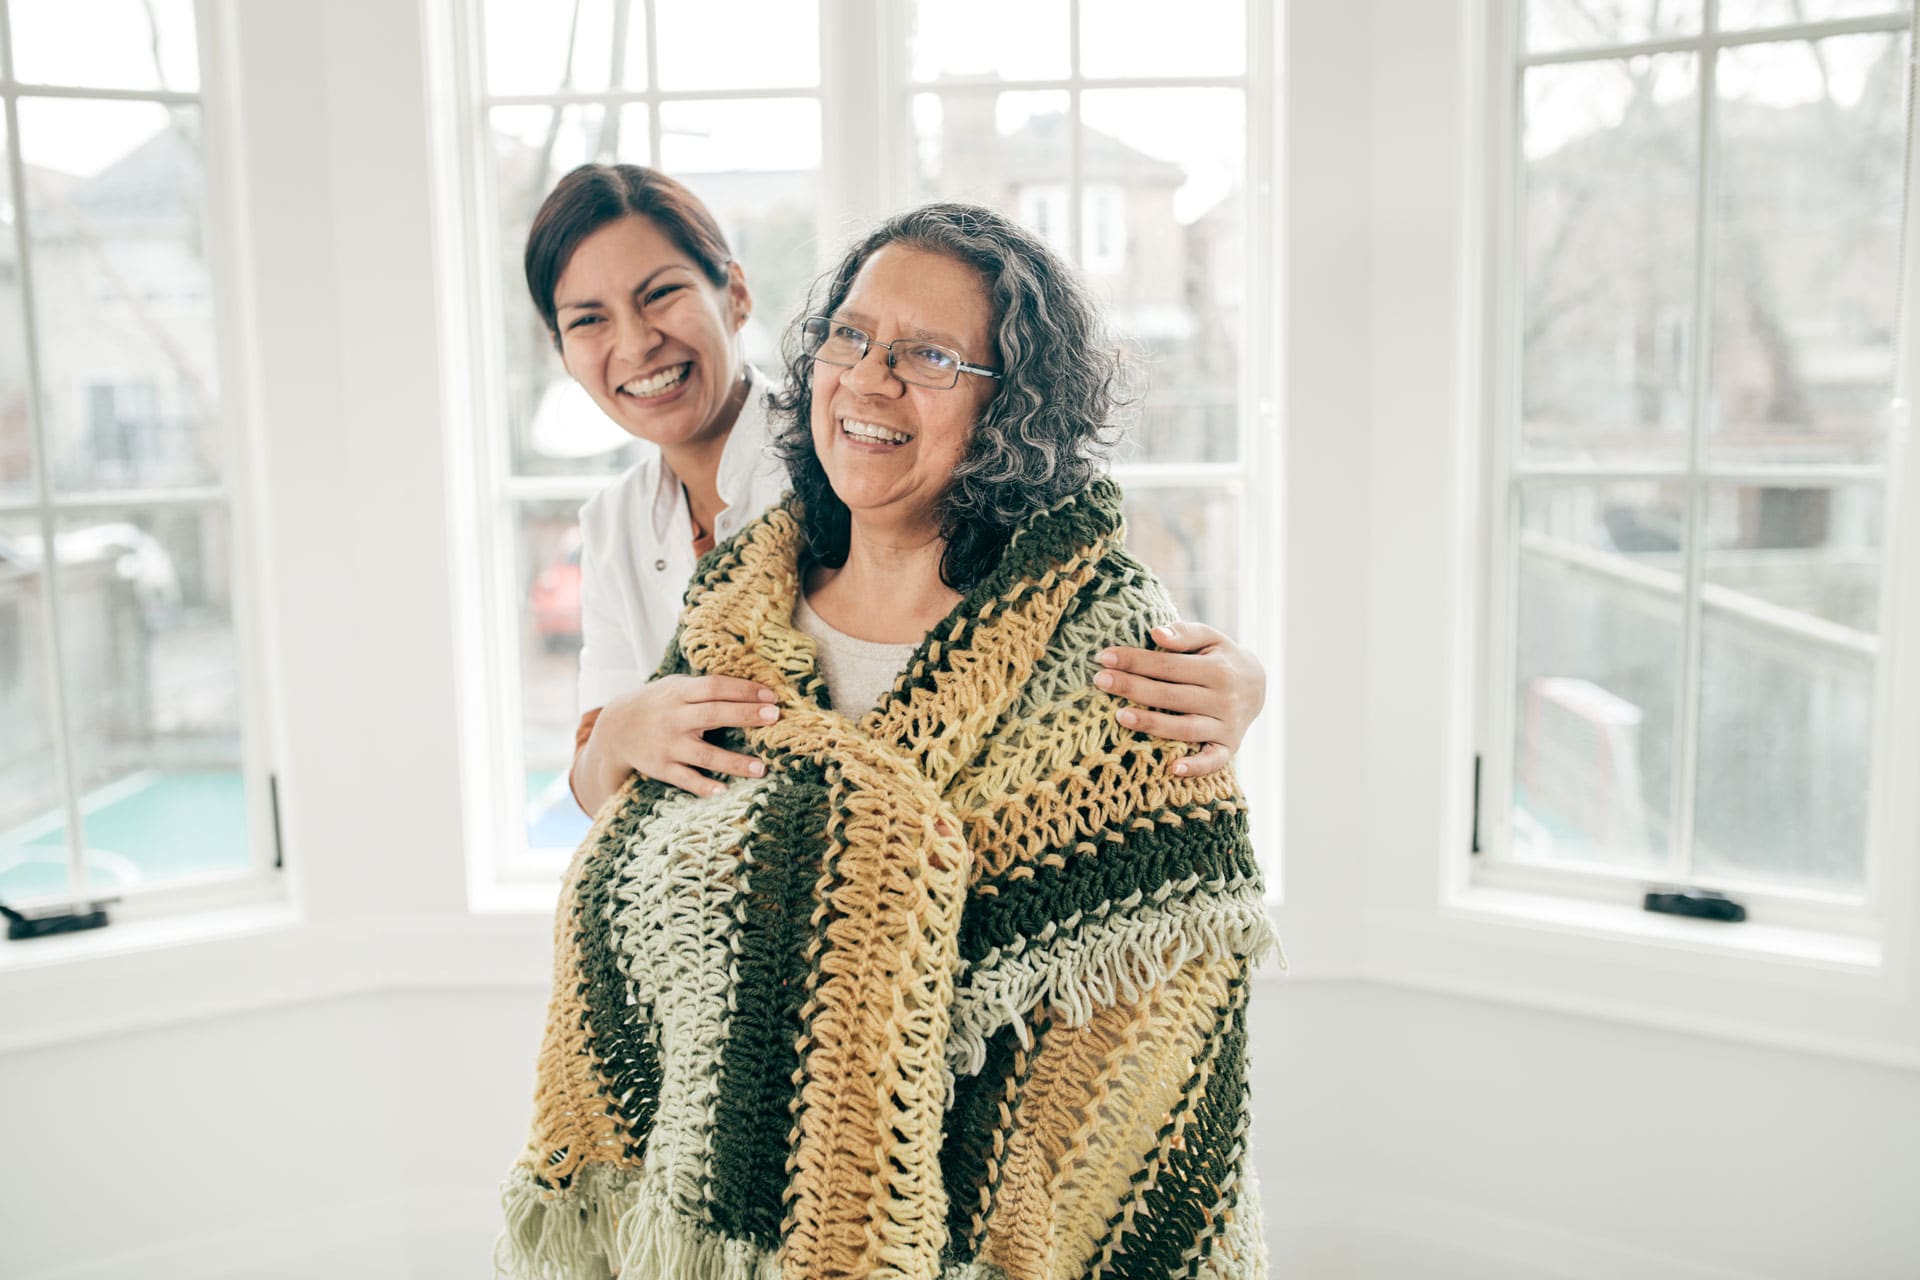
pixel 645 302
pixel 957 987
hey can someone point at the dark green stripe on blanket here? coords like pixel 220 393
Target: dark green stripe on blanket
pixel 975 1126
pixel 628 1055
pixel 1214 847
pixel 751 1116
pixel 1181 1208
pixel 1082 521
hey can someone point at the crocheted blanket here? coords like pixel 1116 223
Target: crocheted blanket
pixel 958 989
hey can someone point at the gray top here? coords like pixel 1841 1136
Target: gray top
pixel 858 672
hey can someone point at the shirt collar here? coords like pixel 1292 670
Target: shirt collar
pixel 746 451
pixel 742 458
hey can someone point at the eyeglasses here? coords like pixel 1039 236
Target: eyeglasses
pixel 925 364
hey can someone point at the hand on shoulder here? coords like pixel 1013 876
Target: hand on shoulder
pixel 1197 686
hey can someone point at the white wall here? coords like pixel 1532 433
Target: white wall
pixel 338 1091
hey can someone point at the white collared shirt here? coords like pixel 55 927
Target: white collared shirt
pixel 636 550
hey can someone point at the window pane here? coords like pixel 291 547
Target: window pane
pixel 756 165
pixel 16 431
pixel 1597 667
pixel 1785 750
pixel 1190 538
pixel 1814 551
pixel 1571 24
pixel 1004 150
pixel 33 820
pixel 1813 154
pixel 125 308
pixel 554 429
pixel 153 692
pixel 970 41
pixel 1737 14
pixel 738 44
pixel 106 44
pixel 536 46
pixel 1163 246
pixel 547 577
pixel 1609 184
pixel 1135 38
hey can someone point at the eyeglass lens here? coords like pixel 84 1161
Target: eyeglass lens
pixel 924 363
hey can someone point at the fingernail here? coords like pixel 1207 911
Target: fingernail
pixel 1180 766
pixel 1127 717
pixel 768 695
pixel 1167 632
pixel 1107 657
pixel 769 713
pixel 1104 679
pixel 757 769
pixel 718 789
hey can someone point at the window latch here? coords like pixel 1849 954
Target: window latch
pixel 21 927
pixel 1702 904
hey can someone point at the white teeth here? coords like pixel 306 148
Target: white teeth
pixel 658 382
pixel 868 431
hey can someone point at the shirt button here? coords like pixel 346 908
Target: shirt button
pixel 660 564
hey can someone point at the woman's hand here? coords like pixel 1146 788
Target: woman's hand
pixel 1205 687
pixel 658 731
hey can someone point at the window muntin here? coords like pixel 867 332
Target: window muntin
pixel 126 765
pixel 1692 475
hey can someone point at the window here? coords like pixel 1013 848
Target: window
pixel 128 765
pixel 612 81
pixel 1134 163
pixel 1689 466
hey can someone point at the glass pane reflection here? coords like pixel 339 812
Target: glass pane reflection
pixel 153 693
pixel 1190 538
pixel 125 304
pixel 1607 290
pixel 1597 672
pixel 33 818
pixel 1813 140
pixel 547 582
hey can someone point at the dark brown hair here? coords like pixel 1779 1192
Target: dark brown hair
pixel 593 195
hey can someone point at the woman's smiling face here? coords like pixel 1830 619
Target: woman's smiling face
pixel 648 335
pixel 897 474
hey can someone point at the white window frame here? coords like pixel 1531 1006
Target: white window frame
pixel 865 95
pixel 1833 913
pixel 1431 922
pixel 262 880
pixel 1836 914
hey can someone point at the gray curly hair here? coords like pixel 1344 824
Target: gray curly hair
pixel 1046 433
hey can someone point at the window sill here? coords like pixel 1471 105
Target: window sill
pixel 1784 988
pixel 158 973
pixel 1611 922
pixel 125 937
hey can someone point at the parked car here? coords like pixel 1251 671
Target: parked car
pixel 555 597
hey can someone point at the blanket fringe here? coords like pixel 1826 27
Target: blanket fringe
pixel 562 1236
pixel 1116 959
pixel 609 1223
pixel 655 1243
